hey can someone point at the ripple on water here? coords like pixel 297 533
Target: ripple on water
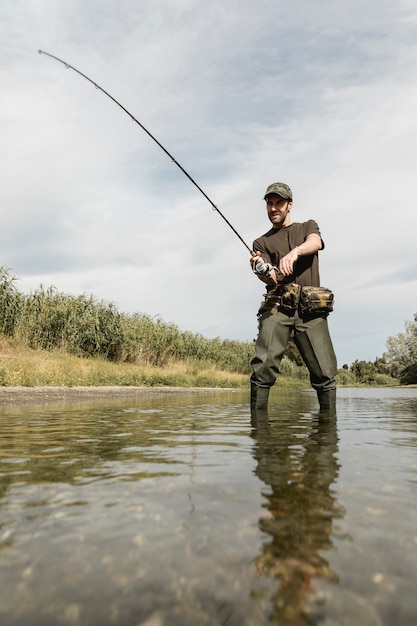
pixel 188 511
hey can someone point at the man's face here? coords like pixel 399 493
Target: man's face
pixel 278 210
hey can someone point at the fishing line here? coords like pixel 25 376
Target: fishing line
pixel 215 208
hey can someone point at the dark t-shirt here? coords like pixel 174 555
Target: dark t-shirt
pixel 277 242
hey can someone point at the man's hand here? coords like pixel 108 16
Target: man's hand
pixel 286 264
pixel 265 271
pixel 312 244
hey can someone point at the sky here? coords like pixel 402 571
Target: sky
pixel 320 94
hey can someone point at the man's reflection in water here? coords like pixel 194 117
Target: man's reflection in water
pixel 296 459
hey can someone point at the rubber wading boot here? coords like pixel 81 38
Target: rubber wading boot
pixel 259 398
pixel 327 401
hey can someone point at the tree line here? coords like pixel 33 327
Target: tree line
pixel 399 361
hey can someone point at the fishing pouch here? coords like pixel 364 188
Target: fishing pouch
pixel 316 300
pixel 290 298
pixel 286 297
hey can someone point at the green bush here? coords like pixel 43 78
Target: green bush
pixel 292 370
pixel 345 378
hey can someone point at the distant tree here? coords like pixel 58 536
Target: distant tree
pixel 401 353
pixel 409 375
pixel 365 372
pixel 381 366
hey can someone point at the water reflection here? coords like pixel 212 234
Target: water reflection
pixel 297 461
pixel 181 512
pixel 74 445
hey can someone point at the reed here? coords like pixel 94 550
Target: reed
pixel 146 350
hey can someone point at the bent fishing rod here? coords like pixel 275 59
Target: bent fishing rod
pixel 68 66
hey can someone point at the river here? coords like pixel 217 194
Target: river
pixel 185 511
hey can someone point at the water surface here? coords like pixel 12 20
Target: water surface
pixel 185 511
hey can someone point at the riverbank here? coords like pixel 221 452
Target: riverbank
pixel 22 367
pixel 49 395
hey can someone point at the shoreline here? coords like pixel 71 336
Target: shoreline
pixel 48 395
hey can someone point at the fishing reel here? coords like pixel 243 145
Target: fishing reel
pixel 264 269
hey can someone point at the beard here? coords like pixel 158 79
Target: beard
pixel 277 220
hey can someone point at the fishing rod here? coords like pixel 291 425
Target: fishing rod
pixel 68 66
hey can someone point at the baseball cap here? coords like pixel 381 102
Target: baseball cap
pixel 279 188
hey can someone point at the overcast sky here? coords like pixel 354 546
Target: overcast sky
pixel 321 94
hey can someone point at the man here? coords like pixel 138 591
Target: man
pixel 286 259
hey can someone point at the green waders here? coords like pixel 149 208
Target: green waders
pixel 311 335
pixel 258 398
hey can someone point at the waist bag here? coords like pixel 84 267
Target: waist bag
pixel 316 300
pixel 284 296
pixel 290 297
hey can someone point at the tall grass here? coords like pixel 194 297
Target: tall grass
pixel 82 326
pixel 47 319
pixel 11 303
pixel 79 324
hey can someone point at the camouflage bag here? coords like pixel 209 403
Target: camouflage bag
pixel 316 300
pixel 290 298
pixel 285 296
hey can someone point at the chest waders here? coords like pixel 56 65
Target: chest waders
pixel 312 338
